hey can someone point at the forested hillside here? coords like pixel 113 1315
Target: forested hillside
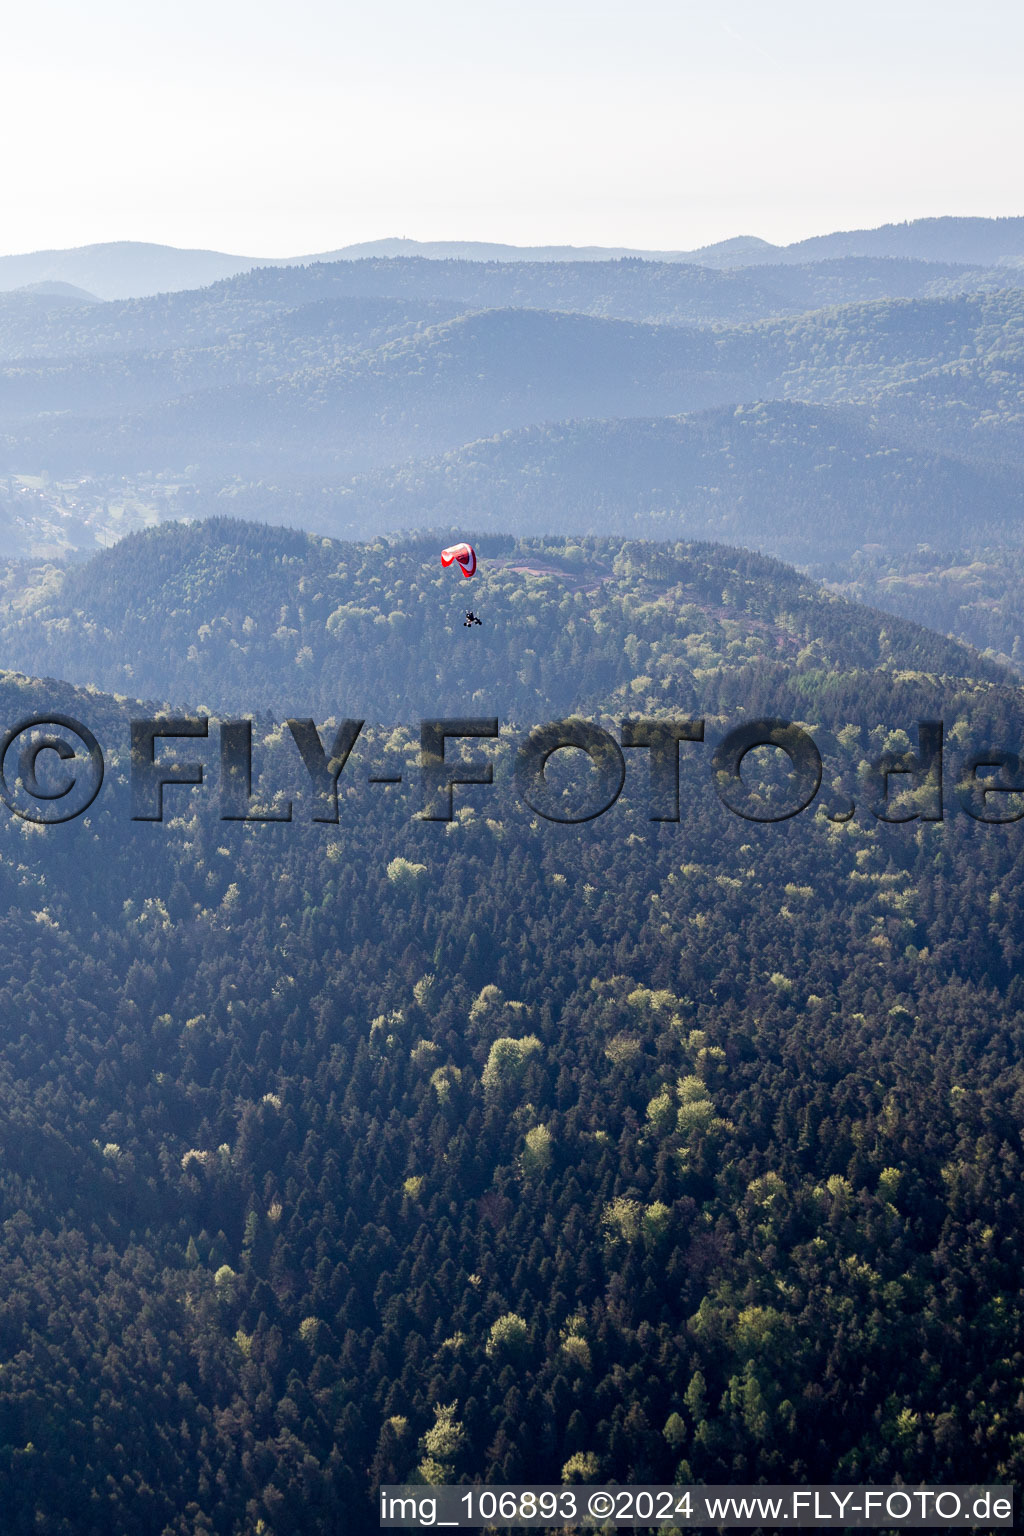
pixel 345 1153
pixel 225 611
pixel 806 483
pixel 977 594
pixel 641 291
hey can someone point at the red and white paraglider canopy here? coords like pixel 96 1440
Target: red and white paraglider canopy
pixel 465 554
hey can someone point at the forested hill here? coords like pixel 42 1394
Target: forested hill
pixel 977 594
pixel 798 481
pixel 496 1150
pixel 231 612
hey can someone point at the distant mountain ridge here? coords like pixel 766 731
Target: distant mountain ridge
pixel 134 269
pixel 56 290
pixel 297 398
pixel 806 408
pixel 880 423
pixel 654 293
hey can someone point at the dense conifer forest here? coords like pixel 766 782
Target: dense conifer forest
pixel 396 1149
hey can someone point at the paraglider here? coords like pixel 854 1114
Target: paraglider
pixel 465 554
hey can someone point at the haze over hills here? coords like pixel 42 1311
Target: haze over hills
pixel 60 292
pixel 801 482
pixel 865 432
pixel 651 293
pixel 132 269
pixel 120 269
pixel 814 402
pixel 398 358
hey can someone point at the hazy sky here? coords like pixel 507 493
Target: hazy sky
pixel 301 125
